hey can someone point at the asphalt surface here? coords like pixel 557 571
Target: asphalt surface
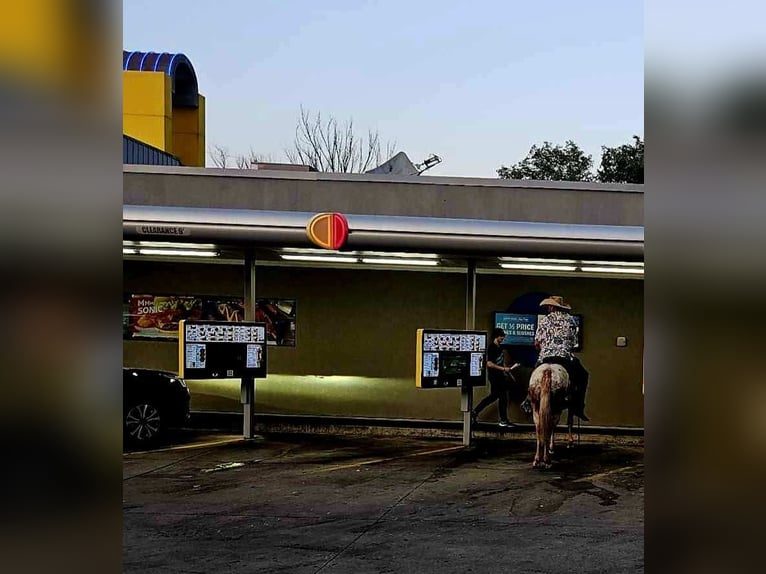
pixel 310 504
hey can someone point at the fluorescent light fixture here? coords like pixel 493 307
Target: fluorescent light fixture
pixel 178 252
pixel 320 258
pixel 307 251
pixel 391 254
pixel 174 245
pixel 630 270
pixel 536 267
pixel 538 260
pixel 384 254
pixel 128 251
pixel 381 261
pixel 615 263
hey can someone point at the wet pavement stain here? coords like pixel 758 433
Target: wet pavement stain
pixel 606 497
pixel 439 473
pixel 224 466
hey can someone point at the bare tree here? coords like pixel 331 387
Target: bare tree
pixel 223 158
pixel 219 155
pixel 330 146
pixel 250 159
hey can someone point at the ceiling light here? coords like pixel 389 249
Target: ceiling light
pixel 538 260
pixel 536 267
pixel 307 250
pixel 431 262
pixel 178 252
pixel 390 254
pixel 631 270
pixel 320 258
pixel 615 263
pixel 173 245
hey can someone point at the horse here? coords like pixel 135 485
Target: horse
pixel 518 390
pixel 548 389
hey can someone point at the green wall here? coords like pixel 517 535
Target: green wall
pixel 355 330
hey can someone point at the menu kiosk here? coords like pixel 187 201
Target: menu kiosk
pixel 224 350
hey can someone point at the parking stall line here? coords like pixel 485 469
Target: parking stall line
pixel 381 460
pixel 162 467
pixel 185 446
pixel 601 475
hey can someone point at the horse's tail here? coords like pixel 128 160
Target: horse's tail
pixel 546 409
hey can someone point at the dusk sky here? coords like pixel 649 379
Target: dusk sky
pixel 476 83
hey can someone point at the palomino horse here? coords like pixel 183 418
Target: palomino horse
pixel 548 388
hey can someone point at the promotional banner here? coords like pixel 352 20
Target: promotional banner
pixel 156 317
pixel 520 328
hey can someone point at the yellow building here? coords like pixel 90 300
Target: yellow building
pixel 162 106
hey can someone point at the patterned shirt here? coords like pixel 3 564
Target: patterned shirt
pixel 557 335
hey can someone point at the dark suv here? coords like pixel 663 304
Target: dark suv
pixel 153 401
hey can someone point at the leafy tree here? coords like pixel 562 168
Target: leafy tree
pixel 552 163
pixel 622 164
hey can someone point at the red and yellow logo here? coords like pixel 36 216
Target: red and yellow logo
pixel 328 230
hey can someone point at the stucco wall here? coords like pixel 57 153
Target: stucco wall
pixel 563 202
pixel 355 352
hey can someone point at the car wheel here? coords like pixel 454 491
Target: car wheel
pixel 143 423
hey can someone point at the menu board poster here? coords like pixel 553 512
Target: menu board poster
pixel 222 350
pixel 156 317
pixel 447 359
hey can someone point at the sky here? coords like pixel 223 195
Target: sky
pixel 477 83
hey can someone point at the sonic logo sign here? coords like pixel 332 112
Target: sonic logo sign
pixel 328 230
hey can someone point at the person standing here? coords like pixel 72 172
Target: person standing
pixel 498 381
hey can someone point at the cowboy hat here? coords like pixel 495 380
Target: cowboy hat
pixel 555 301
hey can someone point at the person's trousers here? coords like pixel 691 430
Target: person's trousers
pixel 498 391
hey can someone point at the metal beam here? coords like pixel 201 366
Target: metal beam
pixel 466 393
pixel 377 232
pixel 248 383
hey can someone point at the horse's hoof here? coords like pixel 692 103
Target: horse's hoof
pixel 535 464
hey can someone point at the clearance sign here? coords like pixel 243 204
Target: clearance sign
pixel 328 230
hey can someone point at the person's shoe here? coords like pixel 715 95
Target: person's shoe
pixel 526 408
pixel 507 424
pixel 581 413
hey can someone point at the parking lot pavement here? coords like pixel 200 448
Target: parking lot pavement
pixel 309 504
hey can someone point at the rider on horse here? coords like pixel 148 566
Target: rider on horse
pixel 555 339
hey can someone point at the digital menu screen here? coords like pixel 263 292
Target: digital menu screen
pixel 450 358
pixel 222 350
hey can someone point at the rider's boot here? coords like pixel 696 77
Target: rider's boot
pixel 579 411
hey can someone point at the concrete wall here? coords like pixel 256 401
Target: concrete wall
pixel 563 202
pixel 355 352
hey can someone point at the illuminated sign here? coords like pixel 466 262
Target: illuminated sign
pixel 328 230
pixel 520 328
pixel 221 350
pixel 450 359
